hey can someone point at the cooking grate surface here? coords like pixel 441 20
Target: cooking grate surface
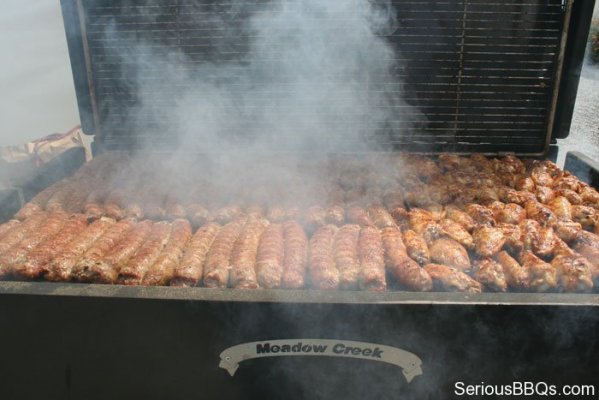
pixel 477 75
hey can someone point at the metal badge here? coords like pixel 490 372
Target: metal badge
pixel 408 362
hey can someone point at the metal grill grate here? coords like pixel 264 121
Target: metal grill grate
pixel 479 74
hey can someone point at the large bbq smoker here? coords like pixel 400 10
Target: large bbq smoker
pixel 498 78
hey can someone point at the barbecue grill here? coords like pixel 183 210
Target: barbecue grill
pixel 488 77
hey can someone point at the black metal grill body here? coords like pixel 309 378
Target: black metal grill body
pixel 487 76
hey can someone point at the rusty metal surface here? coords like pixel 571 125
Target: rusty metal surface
pixel 294 296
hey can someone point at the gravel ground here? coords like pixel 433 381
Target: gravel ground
pixel 584 133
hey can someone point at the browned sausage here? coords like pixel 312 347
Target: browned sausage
pixel 271 254
pixel 347 261
pixel 243 272
pixel 16 254
pixel 400 266
pixel 137 267
pixel 58 200
pixel 372 260
pixel 314 218
pixel 190 270
pixel 295 262
pixel 218 261
pixel 93 204
pixel 198 214
pixel 38 203
pixel 33 266
pixel 163 269
pixel 7 226
pixel 106 270
pixel 381 217
pixel 21 231
pixel 61 266
pixel 99 249
pixel 359 215
pixel 113 204
pixel 323 272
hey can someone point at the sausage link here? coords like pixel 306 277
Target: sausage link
pixel 372 260
pixel 113 204
pixel 295 262
pixel 61 266
pixel 198 214
pixel 21 231
pixel 8 226
pixel 174 209
pixel 314 218
pixel 17 253
pixel 33 266
pixel 191 269
pixel 38 202
pixel 93 204
pixel 335 214
pixel 243 272
pixel 323 272
pixel 163 269
pixel 218 261
pixel 271 254
pixel 138 265
pixel 106 270
pixel 359 215
pixel 58 200
pixel 400 266
pixel 100 248
pixel 381 218
pixel 347 261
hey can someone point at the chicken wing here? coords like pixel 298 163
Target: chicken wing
pixel 543 277
pixel 488 241
pixel 490 274
pixel 448 252
pixel 451 279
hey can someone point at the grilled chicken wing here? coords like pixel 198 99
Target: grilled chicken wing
pixel 416 247
pixel 513 236
pixel 515 275
pixel 462 218
pixel 488 241
pixel 511 213
pixel 480 214
pixel 584 215
pixel 451 279
pixel 448 252
pixel 544 194
pixel 457 232
pixel 574 272
pixel 490 274
pixel 540 213
pixel 561 207
pixel 568 230
pixel 543 277
pixel 419 219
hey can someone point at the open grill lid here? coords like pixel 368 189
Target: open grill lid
pixel 482 76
